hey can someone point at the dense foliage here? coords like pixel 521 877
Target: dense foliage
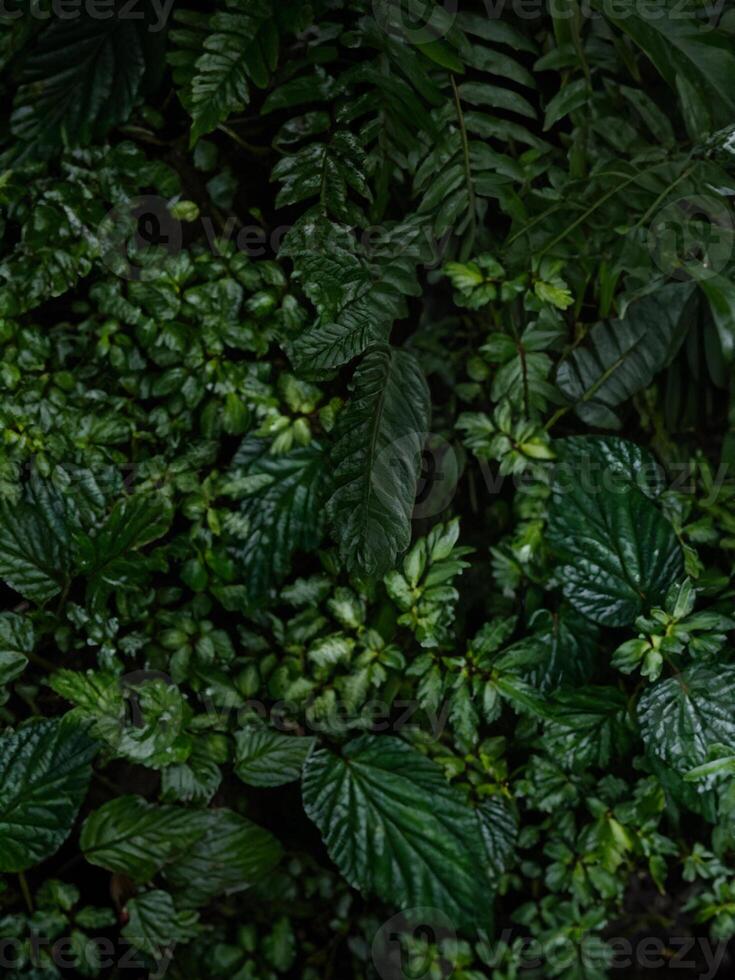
pixel 366 500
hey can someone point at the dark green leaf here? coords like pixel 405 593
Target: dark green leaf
pixel 396 829
pixel 44 775
pixel 376 460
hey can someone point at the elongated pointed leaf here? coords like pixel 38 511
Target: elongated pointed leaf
pixel 377 460
pixel 136 838
pixel 620 357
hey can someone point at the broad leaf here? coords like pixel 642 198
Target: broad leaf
pixel 155 924
pixel 82 78
pixel 282 505
pixel 617 553
pixel 396 829
pixel 621 357
pixel 136 838
pixel 109 559
pixel 44 775
pixel 681 717
pixel 267 758
pixel 377 460
pixel 499 826
pixel 697 61
pixel 589 727
pixel 568 646
pixel 16 640
pixel 33 560
pixel 232 854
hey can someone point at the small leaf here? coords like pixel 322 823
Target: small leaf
pixel 16 640
pixel 155 925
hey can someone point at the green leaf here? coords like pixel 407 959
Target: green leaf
pixel 376 460
pixel 568 645
pixel 33 560
pixel 267 758
pixel 499 825
pixel 133 522
pixel 617 553
pixel 197 779
pixel 720 293
pixel 216 57
pixel 589 728
pixel 283 510
pixel 109 559
pixel 681 717
pixel 44 776
pixel 232 854
pixel 569 98
pixel 143 720
pixel 396 829
pixel 155 925
pixel 82 77
pixel 16 640
pixel 136 838
pixel 621 357
pixel 685 50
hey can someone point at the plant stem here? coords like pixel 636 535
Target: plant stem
pixel 26 891
pixel 466 157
